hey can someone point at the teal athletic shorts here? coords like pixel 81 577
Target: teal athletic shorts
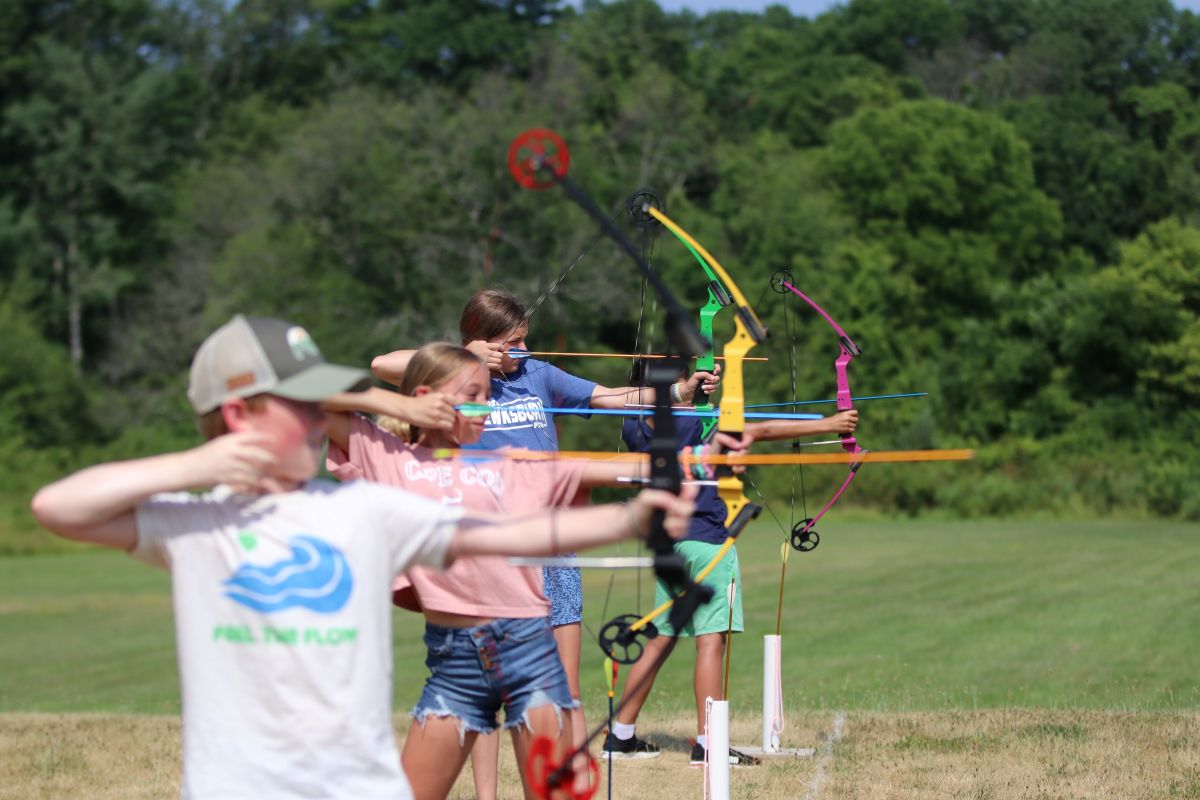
pixel 713 616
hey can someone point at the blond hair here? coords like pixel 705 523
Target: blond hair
pixel 490 313
pixel 432 365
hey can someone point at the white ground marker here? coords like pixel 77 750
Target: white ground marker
pixel 716 754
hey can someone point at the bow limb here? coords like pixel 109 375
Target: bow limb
pixel 718 298
pixel 748 332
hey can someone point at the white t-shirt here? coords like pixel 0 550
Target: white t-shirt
pixel 284 630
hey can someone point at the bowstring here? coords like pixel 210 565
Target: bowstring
pixel 647 253
pixel 789 324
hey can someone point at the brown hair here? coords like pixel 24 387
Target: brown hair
pixel 212 424
pixel 490 313
pixel 432 365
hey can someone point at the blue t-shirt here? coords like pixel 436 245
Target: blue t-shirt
pixel 517 418
pixel 708 523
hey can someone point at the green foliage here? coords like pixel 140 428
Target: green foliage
pixel 1107 186
pixel 998 199
pixel 1135 331
pixel 891 31
pixel 44 411
pixel 42 402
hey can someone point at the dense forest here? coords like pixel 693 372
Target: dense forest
pixel 998 199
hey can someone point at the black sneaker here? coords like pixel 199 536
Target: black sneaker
pixel 736 757
pixel 632 747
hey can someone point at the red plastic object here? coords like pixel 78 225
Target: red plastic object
pixel 535 152
pixel 540 765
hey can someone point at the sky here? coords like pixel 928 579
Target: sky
pixel 807 8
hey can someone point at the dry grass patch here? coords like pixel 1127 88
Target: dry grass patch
pixel 1004 754
pixel 1000 755
pixel 93 756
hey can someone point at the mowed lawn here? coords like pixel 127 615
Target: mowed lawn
pixel 883 616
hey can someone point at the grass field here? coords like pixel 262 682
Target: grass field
pixel 1007 651
pixel 861 755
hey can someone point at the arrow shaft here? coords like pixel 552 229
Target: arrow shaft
pixel 749 460
pixel 518 354
pixel 834 400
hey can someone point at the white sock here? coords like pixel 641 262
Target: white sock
pixel 702 741
pixel 623 731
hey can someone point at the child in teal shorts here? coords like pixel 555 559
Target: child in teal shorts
pixel 715 618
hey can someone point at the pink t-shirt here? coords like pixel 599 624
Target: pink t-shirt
pixel 483 586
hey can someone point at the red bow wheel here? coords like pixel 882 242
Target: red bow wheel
pixel 542 768
pixel 538 158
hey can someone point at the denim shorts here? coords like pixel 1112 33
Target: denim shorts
pixel 563 587
pixel 506 663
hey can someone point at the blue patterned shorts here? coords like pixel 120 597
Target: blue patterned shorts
pixel 563 587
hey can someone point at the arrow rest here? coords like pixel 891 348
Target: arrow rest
pixel 621 643
pixel 804 539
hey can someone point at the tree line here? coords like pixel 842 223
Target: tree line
pixel 998 199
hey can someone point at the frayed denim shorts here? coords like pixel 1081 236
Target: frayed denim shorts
pixel 506 663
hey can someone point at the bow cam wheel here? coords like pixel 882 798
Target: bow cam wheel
pixel 778 279
pixel 538 158
pixel 621 643
pixel 804 538
pixel 639 206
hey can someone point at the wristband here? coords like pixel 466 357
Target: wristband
pixel 676 394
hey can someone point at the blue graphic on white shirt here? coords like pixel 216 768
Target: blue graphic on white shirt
pixel 316 577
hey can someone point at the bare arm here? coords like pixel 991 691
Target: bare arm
pixel 776 429
pixel 433 410
pixel 619 398
pixel 97 504
pixel 562 531
pixel 390 366
pixel 610 473
pixel 604 397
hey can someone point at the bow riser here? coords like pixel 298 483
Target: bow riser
pixel 845 400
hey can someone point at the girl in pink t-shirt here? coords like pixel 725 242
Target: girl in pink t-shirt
pixel 489 641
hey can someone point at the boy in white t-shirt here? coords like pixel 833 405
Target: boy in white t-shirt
pixel 281 584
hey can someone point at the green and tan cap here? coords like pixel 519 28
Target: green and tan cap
pixel 260 355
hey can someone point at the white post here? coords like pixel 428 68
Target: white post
pixel 772 702
pixel 717 753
